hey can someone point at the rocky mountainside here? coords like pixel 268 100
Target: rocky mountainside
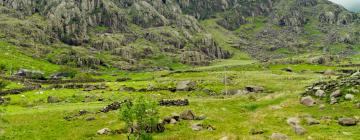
pixel 129 34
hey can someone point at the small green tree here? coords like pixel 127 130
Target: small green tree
pixel 141 118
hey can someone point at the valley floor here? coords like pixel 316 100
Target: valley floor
pixel 29 116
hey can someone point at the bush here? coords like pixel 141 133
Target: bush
pixel 83 76
pixel 141 118
pixel 68 72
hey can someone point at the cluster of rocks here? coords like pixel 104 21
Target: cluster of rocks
pixel 31 74
pixel 112 106
pixel 295 124
pixel 78 114
pixel 342 88
pixel 178 102
pixel 188 115
pixel 248 89
pixel 86 87
pixel 19 90
pixel 187 85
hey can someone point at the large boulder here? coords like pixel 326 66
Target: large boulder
pixel 187 115
pixel 31 74
pixel 336 93
pixel 185 85
pixel 197 127
pixel 312 121
pixel 104 131
pixel 279 136
pixel 254 89
pixel 299 130
pixel 308 101
pixel 347 121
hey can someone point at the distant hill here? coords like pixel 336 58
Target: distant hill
pixel 136 34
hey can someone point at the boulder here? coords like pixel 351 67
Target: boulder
pixel 279 136
pixel 320 93
pixel 256 132
pixel 293 121
pixel 299 130
pixel 53 99
pixel 255 89
pixel 307 101
pixel 83 112
pixel 335 94
pixel 210 128
pixel 349 97
pixel 31 74
pixel 197 127
pixel 312 121
pixel 90 118
pixel 347 121
pixel 185 85
pixel 322 107
pixel 104 131
pixel 333 100
pixel 187 115
pixel 173 121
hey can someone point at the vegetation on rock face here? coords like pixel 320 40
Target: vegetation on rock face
pixel 126 34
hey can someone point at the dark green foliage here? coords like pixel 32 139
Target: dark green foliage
pixel 3 84
pixel 83 76
pixel 2 68
pixel 68 72
pixel 139 116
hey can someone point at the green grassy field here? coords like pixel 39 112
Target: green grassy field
pixel 29 116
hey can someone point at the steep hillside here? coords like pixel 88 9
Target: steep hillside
pixel 135 34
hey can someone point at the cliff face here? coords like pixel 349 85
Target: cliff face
pixel 140 29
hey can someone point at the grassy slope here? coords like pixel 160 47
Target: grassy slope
pixel 14 59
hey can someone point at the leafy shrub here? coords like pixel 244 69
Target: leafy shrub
pixel 83 76
pixel 140 116
pixel 68 72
